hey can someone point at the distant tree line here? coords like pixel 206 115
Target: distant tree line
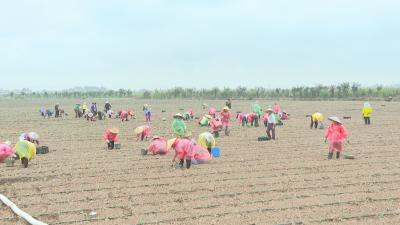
pixel 342 91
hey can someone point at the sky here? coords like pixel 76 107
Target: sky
pixel 148 44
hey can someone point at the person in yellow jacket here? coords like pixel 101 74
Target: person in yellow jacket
pixel 206 140
pixel 366 113
pixel 315 119
pixel 84 108
pixel 25 151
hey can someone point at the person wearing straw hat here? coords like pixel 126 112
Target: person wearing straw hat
pixel 216 126
pixel 212 111
pixel 183 150
pixel 25 151
pixel 315 119
pixel 366 113
pixel 225 119
pixel 178 125
pixel 336 134
pixel 271 123
pixel 111 137
pixel 142 132
pixel 123 115
pixel 205 120
pixel 158 146
pixel 206 140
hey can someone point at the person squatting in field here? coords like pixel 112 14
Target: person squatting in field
pixel 25 151
pixel 6 151
pixel 336 134
pixel 216 126
pixel 143 132
pixel 205 120
pixel 212 111
pixel 366 113
pixel 206 140
pixel 158 146
pixel 111 137
pixel 183 148
pixel 270 123
pixel 178 125
pixel 123 115
pixel 315 119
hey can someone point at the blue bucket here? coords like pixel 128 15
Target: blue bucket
pixel 216 152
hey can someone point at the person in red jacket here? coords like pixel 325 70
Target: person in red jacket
pixel 111 137
pixel 225 119
pixel 216 126
pixel 183 150
pixel 336 134
pixel 158 146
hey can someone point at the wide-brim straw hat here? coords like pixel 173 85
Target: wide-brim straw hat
pixel 114 130
pixel 226 108
pixel 269 110
pixel 7 143
pixel 139 130
pixel 335 118
pixel 208 116
pixel 170 142
pixel 178 115
pixel 33 135
pixel 155 137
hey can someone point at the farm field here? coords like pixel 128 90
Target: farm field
pixel 287 181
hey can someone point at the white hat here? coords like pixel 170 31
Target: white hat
pixel 335 118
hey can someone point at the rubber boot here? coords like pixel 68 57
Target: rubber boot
pixel 181 163
pixel 188 163
pixel 24 162
pixel 337 155
pixel 330 155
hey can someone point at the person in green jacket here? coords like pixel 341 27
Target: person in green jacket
pixel 178 125
pixel 77 109
pixel 258 111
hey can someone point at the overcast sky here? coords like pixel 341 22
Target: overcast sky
pixel 47 44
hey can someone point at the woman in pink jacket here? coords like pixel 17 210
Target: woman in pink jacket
pixel 225 119
pixel 216 126
pixel 111 137
pixel 123 115
pixel 183 150
pixel 241 118
pixel 143 132
pixel 212 112
pixel 336 134
pixel 200 155
pixel 5 151
pixel 158 146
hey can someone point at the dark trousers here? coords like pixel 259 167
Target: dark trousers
pixel 188 163
pixel 367 120
pixel 271 131
pixel 255 121
pixel 244 121
pixel 314 124
pixel 110 145
pixel 57 113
